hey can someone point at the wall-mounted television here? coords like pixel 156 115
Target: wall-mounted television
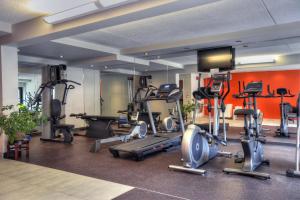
pixel 222 58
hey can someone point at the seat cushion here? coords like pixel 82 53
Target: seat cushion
pixel 244 112
pixel 64 126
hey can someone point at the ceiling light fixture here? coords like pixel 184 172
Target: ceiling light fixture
pixel 256 59
pixel 85 9
pixel 72 13
pixel 61 56
pixel 110 3
pixel 105 67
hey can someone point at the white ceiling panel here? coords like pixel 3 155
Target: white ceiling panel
pixel 294 47
pixel 284 11
pixel 210 19
pixel 185 60
pixel 107 38
pixel 55 50
pixel 15 11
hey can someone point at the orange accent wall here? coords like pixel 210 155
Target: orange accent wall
pixel 269 106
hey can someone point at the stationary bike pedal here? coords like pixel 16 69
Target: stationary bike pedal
pixel 262 140
pixel 239 160
pixel 239 157
pixel 266 162
pixel 224 143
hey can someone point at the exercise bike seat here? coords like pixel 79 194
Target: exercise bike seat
pixel 281 91
pixel 244 112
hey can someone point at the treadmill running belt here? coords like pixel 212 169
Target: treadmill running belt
pixel 139 144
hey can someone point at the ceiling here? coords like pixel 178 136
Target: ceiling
pixel 215 18
pixel 15 11
pixel 175 36
pixel 54 50
pixel 211 19
pixel 227 16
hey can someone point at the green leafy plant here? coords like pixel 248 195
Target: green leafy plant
pixel 19 123
pixel 186 109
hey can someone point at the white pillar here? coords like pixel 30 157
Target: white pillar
pixel 8 82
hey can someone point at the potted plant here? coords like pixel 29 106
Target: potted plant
pixel 187 109
pixel 18 123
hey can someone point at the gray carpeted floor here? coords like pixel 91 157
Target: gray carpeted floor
pixel 153 180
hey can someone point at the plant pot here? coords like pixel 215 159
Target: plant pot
pixel 20 136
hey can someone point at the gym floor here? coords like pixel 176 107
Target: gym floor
pixel 151 178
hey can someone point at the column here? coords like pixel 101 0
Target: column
pixel 8 82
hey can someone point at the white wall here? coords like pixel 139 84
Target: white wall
pixel 114 93
pixel 91 91
pixel 84 98
pixel 31 81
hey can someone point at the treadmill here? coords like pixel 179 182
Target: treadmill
pixel 156 142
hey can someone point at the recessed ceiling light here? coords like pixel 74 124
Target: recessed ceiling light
pixel 61 56
pixel 91 65
pixel 105 67
pixel 146 53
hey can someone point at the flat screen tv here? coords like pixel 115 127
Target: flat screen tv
pixel 222 58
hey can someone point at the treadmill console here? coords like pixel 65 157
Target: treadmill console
pixel 167 92
pixel 254 87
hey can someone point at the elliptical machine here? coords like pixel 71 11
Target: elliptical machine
pixel 199 146
pixel 251 141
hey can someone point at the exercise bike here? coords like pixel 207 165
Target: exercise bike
pixel 286 110
pixel 251 141
pixel 248 104
pixel 199 146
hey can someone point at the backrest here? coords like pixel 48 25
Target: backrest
pixel 55 108
pixel 281 91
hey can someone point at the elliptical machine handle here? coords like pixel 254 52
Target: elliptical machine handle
pixel 228 86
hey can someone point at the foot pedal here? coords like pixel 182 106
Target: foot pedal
pixel 262 140
pixel 239 160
